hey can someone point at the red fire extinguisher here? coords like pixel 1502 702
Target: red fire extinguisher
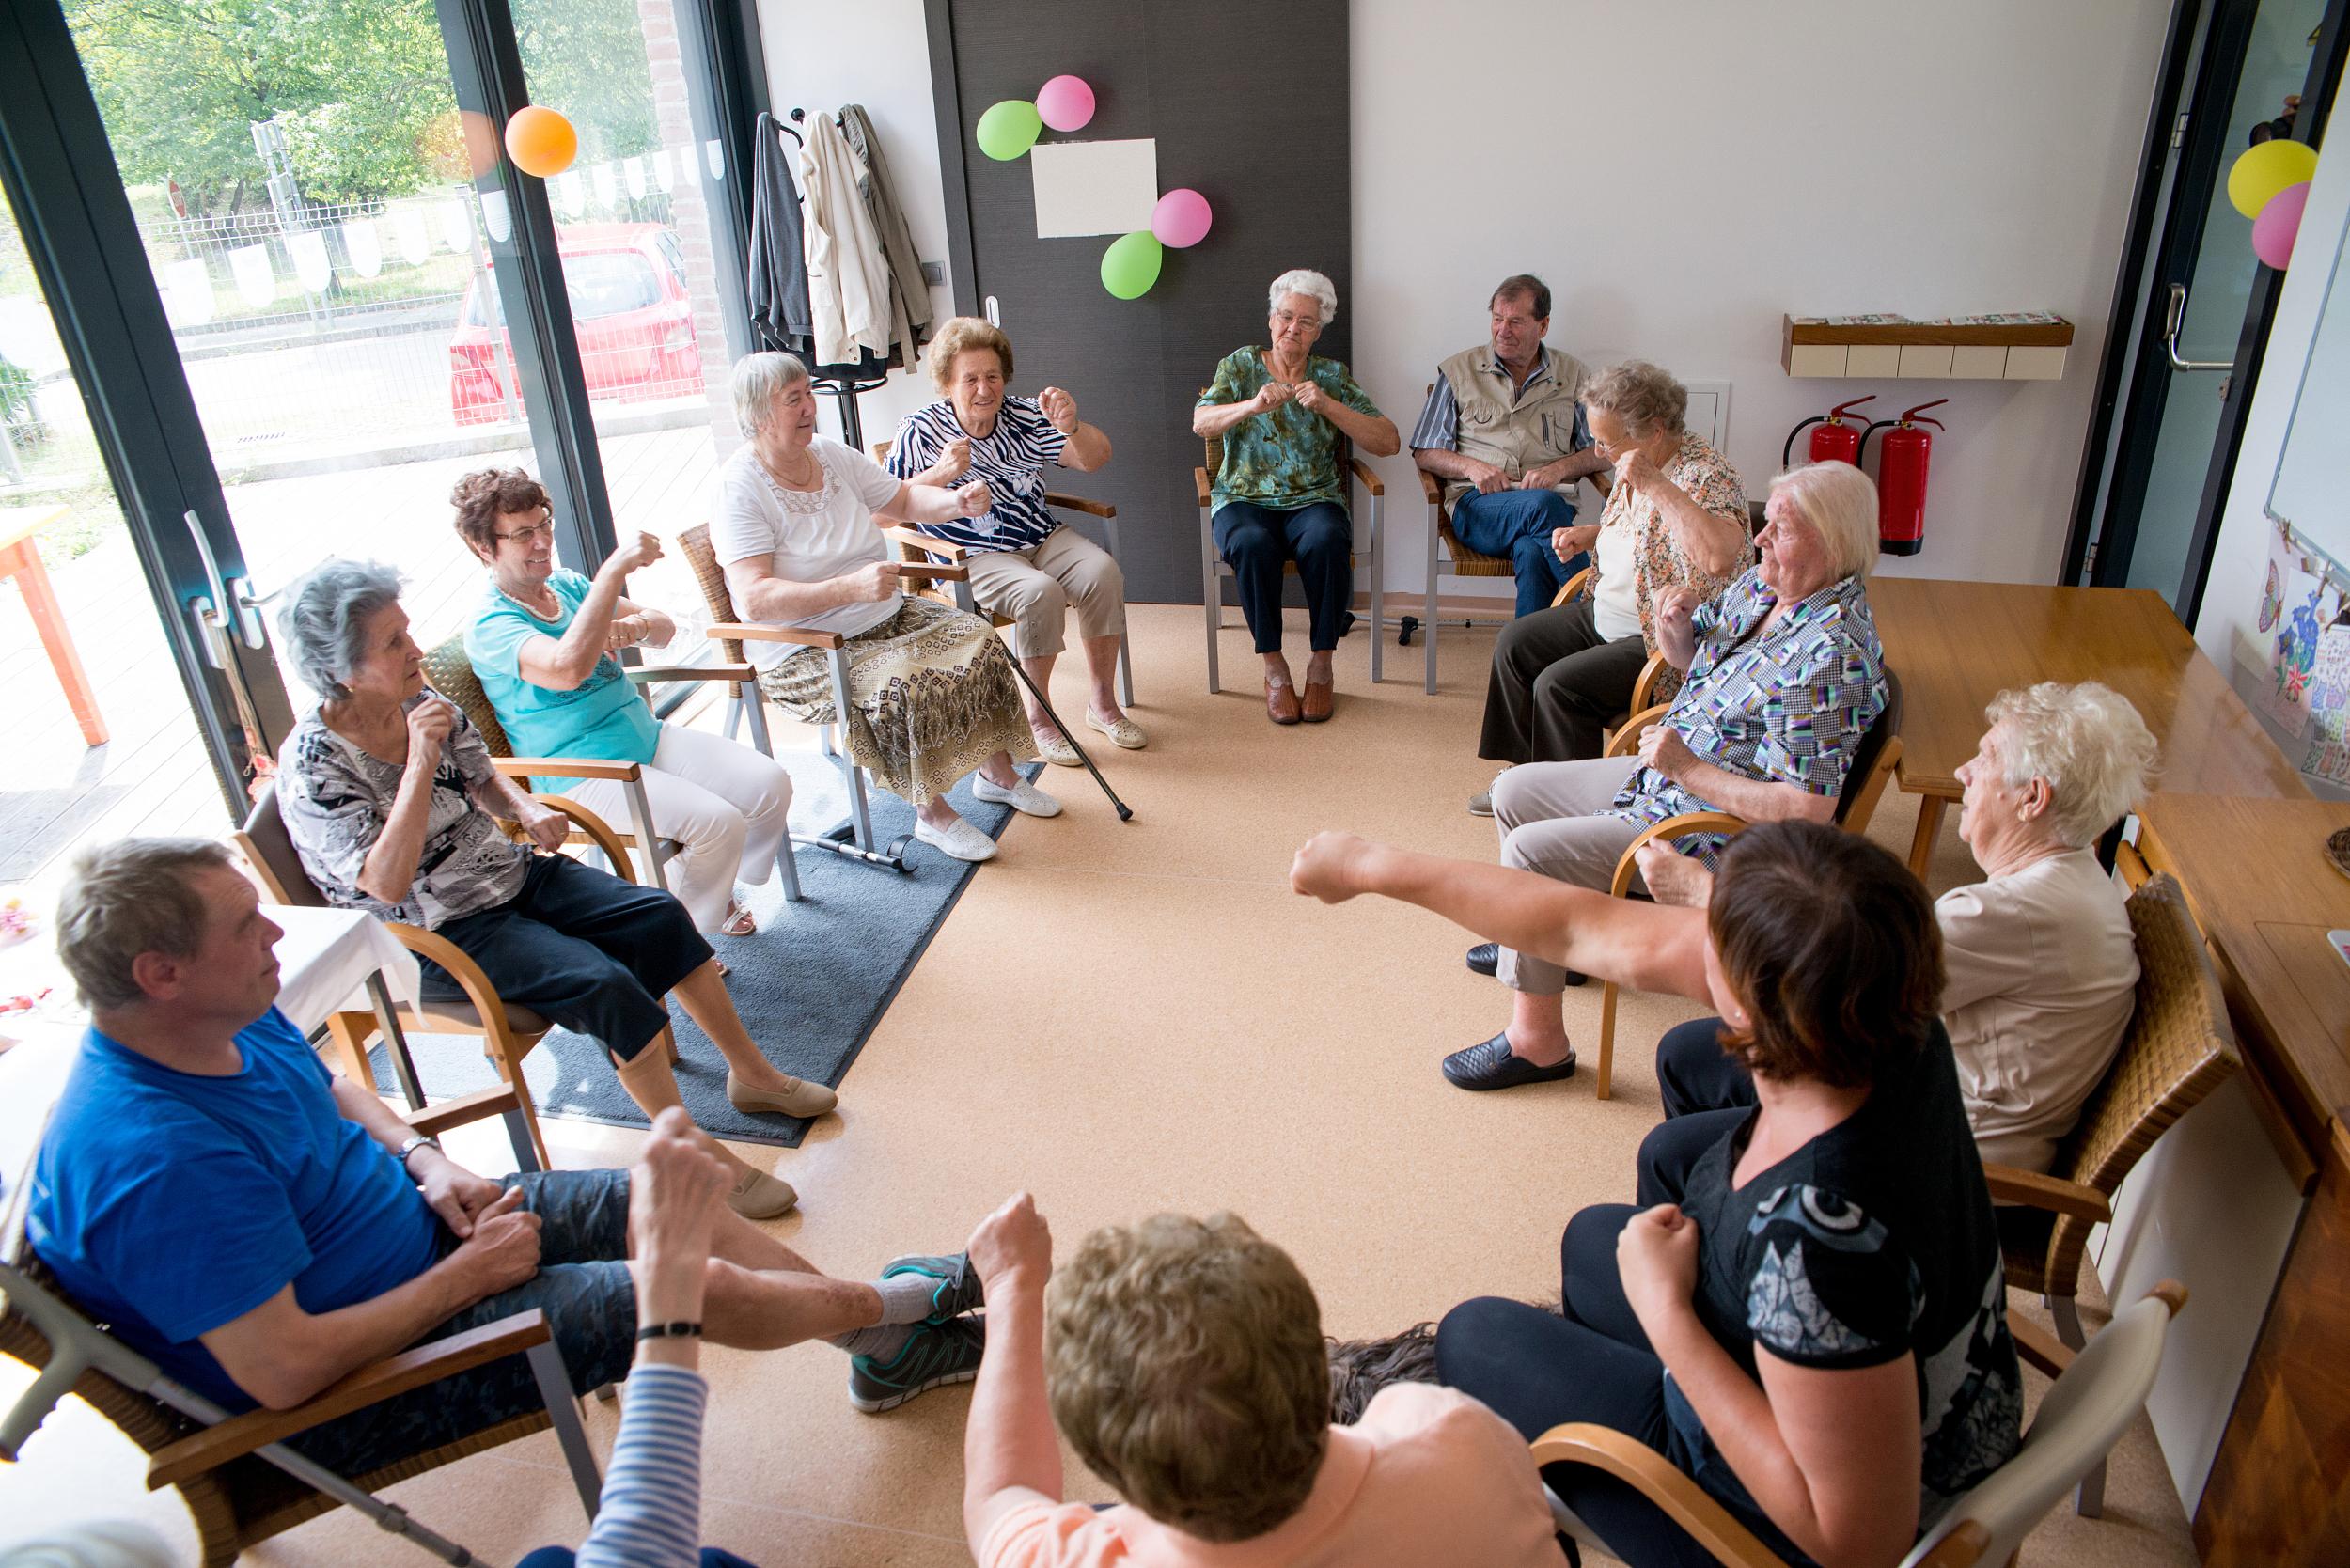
pixel 1833 441
pixel 1902 458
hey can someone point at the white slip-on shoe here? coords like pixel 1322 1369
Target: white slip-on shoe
pixel 1056 750
pixel 958 838
pixel 1124 732
pixel 1023 797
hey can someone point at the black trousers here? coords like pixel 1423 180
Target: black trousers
pixel 1258 541
pixel 580 947
pixel 1556 686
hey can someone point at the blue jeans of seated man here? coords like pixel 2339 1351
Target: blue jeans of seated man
pixel 1516 525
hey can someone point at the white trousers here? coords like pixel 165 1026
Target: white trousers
pixel 724 804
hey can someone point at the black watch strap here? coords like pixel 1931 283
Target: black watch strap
pixel 669 1331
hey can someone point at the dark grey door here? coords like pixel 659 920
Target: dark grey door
pixel 1252 116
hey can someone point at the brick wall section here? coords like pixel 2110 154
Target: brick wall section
pixel 689 207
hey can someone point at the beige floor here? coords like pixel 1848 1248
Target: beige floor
pixel 1127 1018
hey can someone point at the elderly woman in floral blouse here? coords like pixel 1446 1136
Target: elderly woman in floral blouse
pixel 1676 518
pixel 1280 494
pixel 1785 676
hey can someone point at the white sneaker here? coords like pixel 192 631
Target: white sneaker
pixel 958 838
pixel 1023 797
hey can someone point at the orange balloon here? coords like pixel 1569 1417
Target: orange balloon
pixel 540 141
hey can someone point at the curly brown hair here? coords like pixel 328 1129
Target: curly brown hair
pixel 959 334
pixel 484 496
pixel 1187 1368
pixel 1832 946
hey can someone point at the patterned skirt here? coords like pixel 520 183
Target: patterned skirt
pixel 932 696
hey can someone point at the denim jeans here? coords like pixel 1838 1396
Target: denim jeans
pixel 1516 525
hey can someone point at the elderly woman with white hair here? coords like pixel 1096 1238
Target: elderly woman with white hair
pixel 1676 518
pixel 1784 677
pixel 932 693
pixel 2041 970
pixel 388 791
pixel 1280 494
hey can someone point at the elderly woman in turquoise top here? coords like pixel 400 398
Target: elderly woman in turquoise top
pixel 1279 494
pixel 542 644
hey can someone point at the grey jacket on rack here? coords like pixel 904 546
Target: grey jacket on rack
pixel 778 258
pixel 881 199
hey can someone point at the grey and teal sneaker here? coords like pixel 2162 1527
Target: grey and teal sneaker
pixel 936 1353
pixel 956 1284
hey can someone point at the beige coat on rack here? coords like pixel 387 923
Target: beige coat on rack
pixel 848 274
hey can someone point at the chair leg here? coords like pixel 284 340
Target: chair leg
pixel 1125 671
pixel 1378 617
pixel 734 715
pixel 1211 597
pixel 2088 1497
pixel 669 1043
pixel 859 814
pixel 506 1055
pixel 1605 1073
pixel 1427 626
pixel 554 1388
pixel 787 867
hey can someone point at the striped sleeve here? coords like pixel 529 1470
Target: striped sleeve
pixel 1439 427
pixel 652 1492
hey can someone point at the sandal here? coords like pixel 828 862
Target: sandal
pixel 739 922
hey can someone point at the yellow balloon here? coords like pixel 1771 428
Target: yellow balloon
pixel 2265 169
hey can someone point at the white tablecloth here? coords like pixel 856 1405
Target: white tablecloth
pixel 325 957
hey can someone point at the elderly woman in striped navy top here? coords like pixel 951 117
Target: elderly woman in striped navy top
pixel 1024 564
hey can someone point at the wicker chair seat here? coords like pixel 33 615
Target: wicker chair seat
pixel 1471 563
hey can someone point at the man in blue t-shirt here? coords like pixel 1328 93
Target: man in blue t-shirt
pixel 259 1228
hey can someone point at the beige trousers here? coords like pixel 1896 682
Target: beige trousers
pixel 1035 587
pixel 1547 814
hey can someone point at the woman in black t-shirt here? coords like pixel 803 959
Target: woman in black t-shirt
pixel 1815 1329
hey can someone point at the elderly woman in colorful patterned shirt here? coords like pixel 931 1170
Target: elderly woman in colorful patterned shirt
pixel 1280 494
pixel 1785 676
pixel 1676 518
pixel 1023 563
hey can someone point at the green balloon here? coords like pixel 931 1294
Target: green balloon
pixel 1009 128
pixel 1130 265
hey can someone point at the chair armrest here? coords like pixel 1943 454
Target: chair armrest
pixel 1200 484
pixel 1627 865
pixel 433 1120
pixel 599 833
pixel 1079 503
pixel 1576 588
pixel 1644 688
pixel 2053 1193
pixel 1627 740
pixel 921 573
pixel 1656 1478
pixel 913 539
pixel 743 631
pixel 1430 487
pixel 649 675
pixel 1362 472
pixel 568 767
pixel 200 1452
pixel 2036 1347
pixel 459 962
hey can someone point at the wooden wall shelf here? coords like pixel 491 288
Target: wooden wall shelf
pixel 1895 348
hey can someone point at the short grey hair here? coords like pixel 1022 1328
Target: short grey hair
pixel 759 380
pixel 2087 742
pixel 1841 502
pixel 1645 396
pixel 324 622
pixel 1302 280
pixel 128 897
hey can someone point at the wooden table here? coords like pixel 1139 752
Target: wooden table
pixel 20 558
pixel 1957 644
pixel 2265 897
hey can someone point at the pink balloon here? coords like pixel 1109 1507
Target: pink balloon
pixel 1181 219
pixel 2279 223
pixel 1065 104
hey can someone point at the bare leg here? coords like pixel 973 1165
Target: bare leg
pixel 1318 668
pixel 998 770
pixel 1040 671
pixel 653 1084
pixel 1538 1030
pixel 765 1309
pixel 1102 667
pixel 703 995
pixel 1276 670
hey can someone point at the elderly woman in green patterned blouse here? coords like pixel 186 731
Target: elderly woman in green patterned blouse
pixel 1280 494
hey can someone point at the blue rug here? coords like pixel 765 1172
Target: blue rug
pixel 810 982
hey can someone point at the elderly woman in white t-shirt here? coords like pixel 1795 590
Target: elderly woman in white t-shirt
pixel 2039 966
pixel 932 691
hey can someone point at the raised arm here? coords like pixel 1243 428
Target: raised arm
pixel 1374 434
pixel 923 503
pixel 1645 946
pixel 761 595
pixel 560 663
pixel 1718 544
pixel 390 868
pixel 1011 1455
pixel 1215 418
pixel 1084 448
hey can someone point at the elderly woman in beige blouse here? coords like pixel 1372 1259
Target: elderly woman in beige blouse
pixel 2041 967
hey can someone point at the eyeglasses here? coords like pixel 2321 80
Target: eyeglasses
pixel 1290 318
pixel 537 530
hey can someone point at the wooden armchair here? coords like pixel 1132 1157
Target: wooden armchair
pixel 1212 568
pixel 730 631
pixel 1657 681
pixel 2095 1397
pixel 2179 1047
pixel 449 671
pixel 916 547
pixel 1873 762
pixel 240 1480
pixel 507 1030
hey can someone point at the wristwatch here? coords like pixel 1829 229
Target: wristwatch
pixel 420 1141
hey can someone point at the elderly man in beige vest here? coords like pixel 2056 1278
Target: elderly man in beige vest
pixel 1501 427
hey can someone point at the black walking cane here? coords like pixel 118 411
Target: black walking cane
pixel 1125 812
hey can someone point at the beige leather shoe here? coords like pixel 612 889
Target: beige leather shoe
pixel 760 1195
pixel 1125 733
pixel 1056 750
pixel 802 1098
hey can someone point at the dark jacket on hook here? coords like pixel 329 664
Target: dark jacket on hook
pixel 778 258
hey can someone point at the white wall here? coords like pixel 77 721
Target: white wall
pixel 2239 563
pixel 1682 173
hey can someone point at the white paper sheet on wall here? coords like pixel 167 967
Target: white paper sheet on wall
pixel 1094 187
